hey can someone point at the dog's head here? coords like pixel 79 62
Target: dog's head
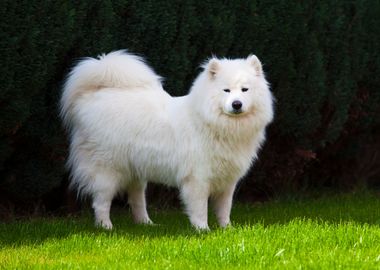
pixel 236 89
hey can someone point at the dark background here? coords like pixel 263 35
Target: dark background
pixel 321 58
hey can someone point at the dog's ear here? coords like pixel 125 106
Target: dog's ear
pixel 256 64
pixel 212 67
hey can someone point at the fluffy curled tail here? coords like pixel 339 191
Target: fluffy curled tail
pixel 117 69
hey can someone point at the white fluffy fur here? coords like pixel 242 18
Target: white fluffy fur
pixel 126 130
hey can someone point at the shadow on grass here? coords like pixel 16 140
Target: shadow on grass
pixel 36 231
pixel 359 208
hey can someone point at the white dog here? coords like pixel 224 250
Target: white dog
pixel 126 130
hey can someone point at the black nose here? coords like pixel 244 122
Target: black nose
pixel 237 105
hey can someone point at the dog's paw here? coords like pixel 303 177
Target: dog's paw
pixel 201 227
pixel 105 224
pixel 144 221
pixel 225 224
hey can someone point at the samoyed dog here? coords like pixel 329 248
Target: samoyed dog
pixel 125 131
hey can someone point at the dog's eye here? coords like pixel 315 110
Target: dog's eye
pixel 244 89
pixel 227 90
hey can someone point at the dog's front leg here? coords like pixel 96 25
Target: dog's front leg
pixel 195 198
pixel 137 202
pixel 222 203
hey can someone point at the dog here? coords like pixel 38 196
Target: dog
pixel 126 131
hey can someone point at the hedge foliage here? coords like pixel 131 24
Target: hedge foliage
pixel 321 57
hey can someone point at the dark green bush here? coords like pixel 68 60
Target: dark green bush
pixel 321 57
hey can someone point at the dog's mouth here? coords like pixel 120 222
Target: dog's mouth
pixel 239 113
pixel 235 113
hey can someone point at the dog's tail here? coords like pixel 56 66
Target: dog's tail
pixel 117 69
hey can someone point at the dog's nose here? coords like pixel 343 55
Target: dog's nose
pixel 236 105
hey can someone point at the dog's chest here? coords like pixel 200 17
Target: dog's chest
pixel 226 169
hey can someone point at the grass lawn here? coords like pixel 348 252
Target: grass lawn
pixel 335 232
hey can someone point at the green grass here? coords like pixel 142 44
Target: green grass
pixel 336 232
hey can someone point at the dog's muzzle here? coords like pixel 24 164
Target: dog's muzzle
pixel 236 106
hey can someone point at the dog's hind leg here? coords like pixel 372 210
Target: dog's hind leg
pixel 136 200
pixel 104 188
